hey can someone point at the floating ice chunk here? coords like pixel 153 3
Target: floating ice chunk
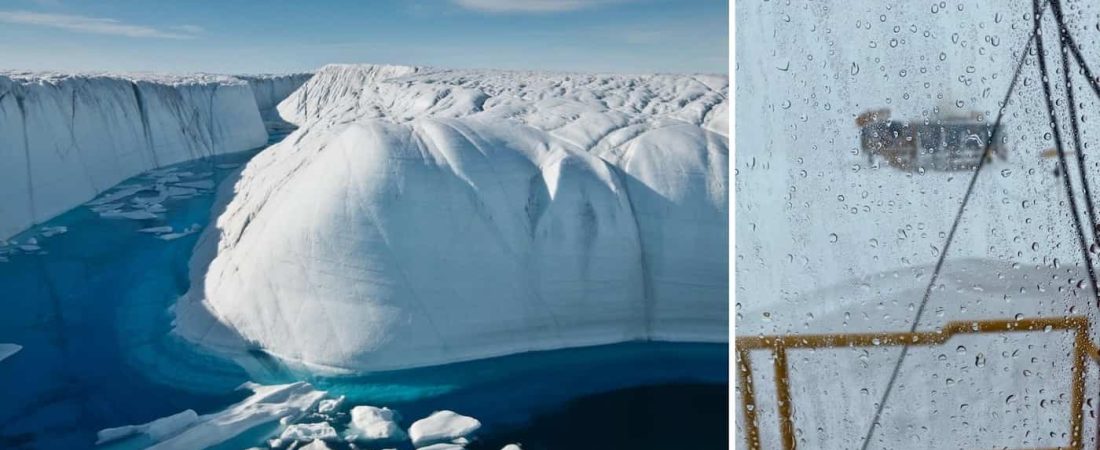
pixel 315 445
pixel 6 350
pixel 369 423
pixel 512 447
pixel 116 195
pixel 157 430
pixel 177 192
pixel 330 405
pixel 132 215
pixel 54 231
pixel 267 404
pixel 199 184
pixel 442 426
pixel 308 432
pixel 156 230
pixel 442 446
pixel 194 228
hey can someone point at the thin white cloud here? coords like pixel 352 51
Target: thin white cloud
pixel 96 25
pixel 191 29
pixel 530 6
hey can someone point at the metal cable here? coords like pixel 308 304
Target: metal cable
pixel 1056 8
pixel 950 237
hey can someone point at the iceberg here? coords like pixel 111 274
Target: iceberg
pixel 64 138
pixel 306 432
pixel 442 427
pixel 442 446
pixel 422 216
pixel 268 404
pixel 369 423
pixel 156 430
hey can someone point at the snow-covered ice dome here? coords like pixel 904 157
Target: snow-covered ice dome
pixel 421 216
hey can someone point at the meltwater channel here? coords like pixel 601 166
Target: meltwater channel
pixel 87 296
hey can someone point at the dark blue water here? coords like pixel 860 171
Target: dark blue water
pixel 90 308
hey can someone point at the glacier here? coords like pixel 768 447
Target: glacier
pixel 270 89
pixel 65 138
pixel 420 216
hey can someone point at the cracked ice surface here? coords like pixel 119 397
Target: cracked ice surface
pixel 422 216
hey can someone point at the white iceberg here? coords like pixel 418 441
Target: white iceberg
pixel 427 216
pixel 442 446
pixel 369 423
pixel 304 432
pixel 330 405
pixel 267 404
pixel 442 427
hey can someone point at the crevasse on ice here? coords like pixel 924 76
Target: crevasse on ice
pixel 422 216
pixel 270 89
pixel 66 138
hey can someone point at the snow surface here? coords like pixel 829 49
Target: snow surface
pixel 421 216
pixel 268 404
pixel 64 138
pixel 369 423
pixel 442 427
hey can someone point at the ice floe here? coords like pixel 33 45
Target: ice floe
pixel 268 404
pixel 442 427
pixel 369 423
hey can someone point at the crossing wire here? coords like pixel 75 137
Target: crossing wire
pixel 951 234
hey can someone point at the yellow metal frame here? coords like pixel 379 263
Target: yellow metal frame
pixel 1083 347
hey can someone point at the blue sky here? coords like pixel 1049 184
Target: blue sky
pixel 232 36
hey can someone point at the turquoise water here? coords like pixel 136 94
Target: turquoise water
pixel 90 307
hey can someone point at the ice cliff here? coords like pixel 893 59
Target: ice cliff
pixel 421 216
pixel 270 89
pixel 66 138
